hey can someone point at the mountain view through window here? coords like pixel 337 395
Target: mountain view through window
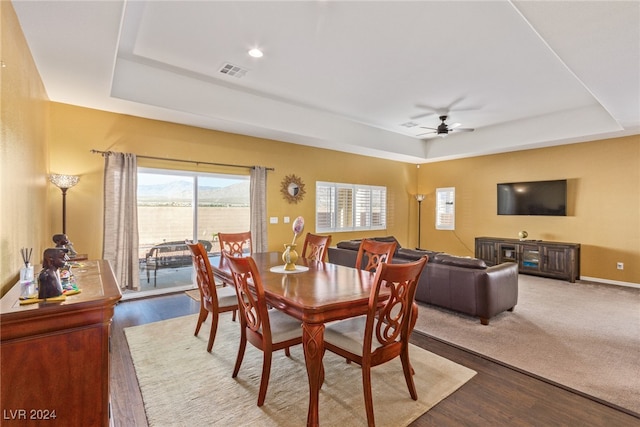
pixel 174 206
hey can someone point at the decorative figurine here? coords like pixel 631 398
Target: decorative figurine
pixel 49 278
pixel 62 242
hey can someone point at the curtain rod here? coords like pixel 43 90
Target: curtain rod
pixel 185 161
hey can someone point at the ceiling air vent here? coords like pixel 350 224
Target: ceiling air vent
pixel 409 124
pixel 233 70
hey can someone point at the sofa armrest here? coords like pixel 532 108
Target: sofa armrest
pixel 499 292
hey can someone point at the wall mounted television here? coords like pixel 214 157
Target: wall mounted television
pixel 533 198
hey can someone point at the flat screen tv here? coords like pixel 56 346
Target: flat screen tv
pixel 533 198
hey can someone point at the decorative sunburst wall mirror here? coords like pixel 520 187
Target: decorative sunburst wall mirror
pixel 292 188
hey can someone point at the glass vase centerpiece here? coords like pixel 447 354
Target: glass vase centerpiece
pixel 290 256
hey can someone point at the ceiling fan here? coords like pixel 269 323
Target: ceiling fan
pixel 443 129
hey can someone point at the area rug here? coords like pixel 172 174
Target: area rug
pixel 585 336
pixel 183 385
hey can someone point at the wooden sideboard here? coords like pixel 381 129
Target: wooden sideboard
pixel 54 357
pixel 542 258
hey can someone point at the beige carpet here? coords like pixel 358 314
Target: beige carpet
pixel 585 336
pixel 183 385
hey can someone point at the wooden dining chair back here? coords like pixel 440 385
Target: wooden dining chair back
pixel 236 244
pixel 372 253
pixel 315 247
pixel 383 334
pixel 267 329
pixel 212 300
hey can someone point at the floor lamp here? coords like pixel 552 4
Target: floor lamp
pixel 64 182
pixel 419 198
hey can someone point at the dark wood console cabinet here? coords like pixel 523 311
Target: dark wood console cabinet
pixel 549 259
pixel 55 356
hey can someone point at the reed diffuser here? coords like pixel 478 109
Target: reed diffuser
pixel 27 284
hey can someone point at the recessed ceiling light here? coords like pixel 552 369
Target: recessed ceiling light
pixel 256 53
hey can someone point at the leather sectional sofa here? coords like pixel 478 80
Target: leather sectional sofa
pixel 457 283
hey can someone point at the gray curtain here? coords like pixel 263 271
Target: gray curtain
pixel 120 238
pixel 258 194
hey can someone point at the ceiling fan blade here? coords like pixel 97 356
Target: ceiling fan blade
pixel 420 116
pixel 454 125
pixel 461 130
pixel 424 127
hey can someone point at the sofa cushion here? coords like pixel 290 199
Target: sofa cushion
pixel 354 245
pixel 459 261
pixel 415 254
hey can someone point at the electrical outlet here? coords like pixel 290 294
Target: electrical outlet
pixel 620 265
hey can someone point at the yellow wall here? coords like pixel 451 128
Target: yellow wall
pixel 603 202
pixel 76 130
pixel 24 205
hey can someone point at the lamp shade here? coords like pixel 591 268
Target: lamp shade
pixel 419 197
pixel 63 181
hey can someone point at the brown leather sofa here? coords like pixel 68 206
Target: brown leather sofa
pixel 461 284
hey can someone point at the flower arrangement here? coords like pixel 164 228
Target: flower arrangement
pixel 298 226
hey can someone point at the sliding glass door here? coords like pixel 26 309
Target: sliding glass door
pixel 177 205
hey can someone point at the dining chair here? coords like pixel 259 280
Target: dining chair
pixel 383 333
pixel 267 329
pixel 212 300
pixel 316 245
pixel 236 244
pixel 374 253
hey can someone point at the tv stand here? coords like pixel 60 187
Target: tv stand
pixel 541 258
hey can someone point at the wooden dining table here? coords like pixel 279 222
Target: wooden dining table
pixel 321 294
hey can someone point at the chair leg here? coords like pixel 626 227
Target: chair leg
pixel 368 395
pixel 234 316
pixel 408 373
pixel 243 345
pixel 414 319
pixel 264 381
pixel 201 318
pixel 212 333
pixel 287 352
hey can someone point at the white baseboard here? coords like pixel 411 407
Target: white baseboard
pixel 610 282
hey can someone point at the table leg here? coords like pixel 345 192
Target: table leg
pixel 313 343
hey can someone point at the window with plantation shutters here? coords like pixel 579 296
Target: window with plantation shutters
pixel 349 207
pixel 445 208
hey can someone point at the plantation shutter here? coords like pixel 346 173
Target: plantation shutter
pixel 325 207
pixel 344 207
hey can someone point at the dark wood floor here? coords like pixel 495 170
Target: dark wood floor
pixel 496 396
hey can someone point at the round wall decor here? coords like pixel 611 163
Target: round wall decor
pixel 292 188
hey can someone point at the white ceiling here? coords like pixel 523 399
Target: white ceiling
pixel 346 75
